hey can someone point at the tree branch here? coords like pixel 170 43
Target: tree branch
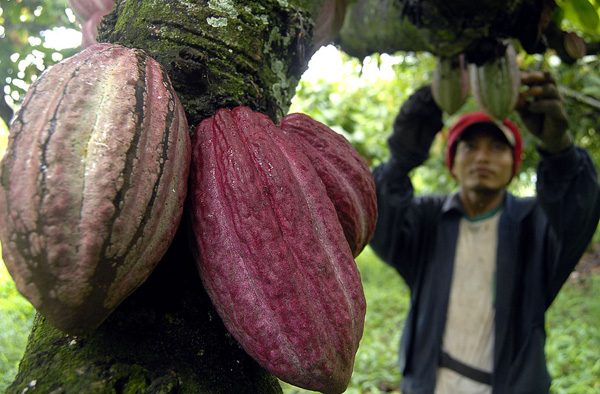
pixel 582 98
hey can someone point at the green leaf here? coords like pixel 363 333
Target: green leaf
pixel 586 15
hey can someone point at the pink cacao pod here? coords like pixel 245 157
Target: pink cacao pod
pixel 271 252
pixel 344 172
pixel 93 183
pixel 84 9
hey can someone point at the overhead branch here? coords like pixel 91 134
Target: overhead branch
pixel 582 98
pixel 438 26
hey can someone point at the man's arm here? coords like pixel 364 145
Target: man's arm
pixel 415 127
pixel 567 185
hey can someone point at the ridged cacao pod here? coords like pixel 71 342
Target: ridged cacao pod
pixel 84 9
pixel 271 252
pixel 495 84
pixel 451 85
pixel 93 183
pixel 574 45
pixel 344 172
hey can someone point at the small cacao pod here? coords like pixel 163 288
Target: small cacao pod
pixel 93 183
pixel 89 13
pixel 574 45
pixel 344 172
pixel 271 252
pixel 450 86
pixel 329 19
pixel 89 30
pixel 84 9
pixel 495 84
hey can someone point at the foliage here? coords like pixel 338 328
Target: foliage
pixel 25 28
pixel 581 14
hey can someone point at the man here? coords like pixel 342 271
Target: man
pixel 482 265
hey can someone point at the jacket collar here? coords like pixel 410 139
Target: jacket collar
pixel 516 208
pixel 452 203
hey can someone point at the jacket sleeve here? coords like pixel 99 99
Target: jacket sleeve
pixel 568 192
pixel 399 234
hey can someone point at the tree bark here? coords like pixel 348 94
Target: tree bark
pixel 166 337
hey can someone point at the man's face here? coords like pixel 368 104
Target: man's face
pixel 483 160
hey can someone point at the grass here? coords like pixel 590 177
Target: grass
pixel 572 348
pixel 16 315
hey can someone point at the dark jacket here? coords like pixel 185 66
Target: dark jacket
pixel 540 240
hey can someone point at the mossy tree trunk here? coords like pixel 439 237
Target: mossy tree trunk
pixel 166 337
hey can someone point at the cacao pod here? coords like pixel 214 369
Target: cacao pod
pixel 89 30
pixel 344 172
pixel 495 84
pixel 329 19
pixel 574 45
pixel 271 252
pixel 84 9
pixel 93 183
pixel 450 86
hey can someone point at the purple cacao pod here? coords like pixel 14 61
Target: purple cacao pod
pixel 344 172
pixel 271 252
pixel 93 183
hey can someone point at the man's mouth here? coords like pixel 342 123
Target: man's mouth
pixel 482 171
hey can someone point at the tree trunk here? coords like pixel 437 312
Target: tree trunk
pixel 166 337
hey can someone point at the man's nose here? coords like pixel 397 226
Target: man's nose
pixel 482 153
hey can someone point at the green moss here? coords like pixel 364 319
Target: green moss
pixel 221 55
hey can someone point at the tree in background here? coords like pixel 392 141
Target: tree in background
pixel 166 337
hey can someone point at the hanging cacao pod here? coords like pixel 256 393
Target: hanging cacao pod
pixel 329 19
pixel 574 45
pixel 89 30
pixel 84 9
pixel 271 252
pixel 93 183
pixel 450 86
pixel 344 172
pixel 495 84
pixel 89 13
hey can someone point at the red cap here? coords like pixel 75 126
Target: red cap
pixel 508 128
